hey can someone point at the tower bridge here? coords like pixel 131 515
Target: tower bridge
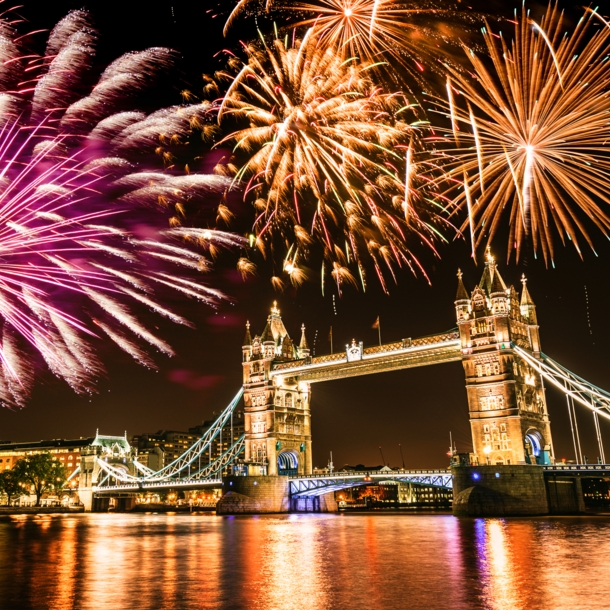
pixel 497 340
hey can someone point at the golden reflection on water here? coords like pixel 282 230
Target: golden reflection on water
pixel 303 562
pixel 292 565
pixel 502 572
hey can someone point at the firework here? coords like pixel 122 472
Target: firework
pixel 76 265
pixel 323 158
pixel 378 31
pixel 530 134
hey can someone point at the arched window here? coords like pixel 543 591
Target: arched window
pixel 288 401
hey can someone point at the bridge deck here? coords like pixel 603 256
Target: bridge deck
pixel 435 349
pixel 317 485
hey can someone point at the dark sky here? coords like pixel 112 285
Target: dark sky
pixel 352 418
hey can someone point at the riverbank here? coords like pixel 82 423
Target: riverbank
pixel 40 510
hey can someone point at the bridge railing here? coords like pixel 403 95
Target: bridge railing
pixel 371 351
pixel 364 473
pixel 577 467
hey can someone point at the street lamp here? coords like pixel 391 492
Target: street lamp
pixel 487 451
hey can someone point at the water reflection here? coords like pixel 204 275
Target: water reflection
pixel 304 561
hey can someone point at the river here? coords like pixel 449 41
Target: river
pixel 304 562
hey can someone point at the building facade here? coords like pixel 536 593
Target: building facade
pixel 506 398
pixel 67 451
pixel 277 414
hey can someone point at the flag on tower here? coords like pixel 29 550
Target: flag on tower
pixel 377 325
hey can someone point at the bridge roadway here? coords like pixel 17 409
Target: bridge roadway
pixel 356 360
pixel 319 484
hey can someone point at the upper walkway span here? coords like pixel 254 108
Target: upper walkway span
pixel 357 360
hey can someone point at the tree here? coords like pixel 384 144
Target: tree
pixel 10 484
pixel 42 472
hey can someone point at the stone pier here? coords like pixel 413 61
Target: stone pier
pixel 256 495
pixel 487 491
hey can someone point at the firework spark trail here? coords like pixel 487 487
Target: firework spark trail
pixel 378 31
pixel 532 134
pixel 323 158
pixel 72 268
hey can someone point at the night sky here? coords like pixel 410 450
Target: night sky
pixel 352 418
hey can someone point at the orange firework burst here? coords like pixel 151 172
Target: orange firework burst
pixel 326 157
pixel 373 30
pixel 530 136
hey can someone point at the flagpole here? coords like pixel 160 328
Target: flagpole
pixel 379 328
pixel 331 340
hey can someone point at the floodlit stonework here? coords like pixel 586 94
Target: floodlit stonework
pixel 506 398
pixel 277 414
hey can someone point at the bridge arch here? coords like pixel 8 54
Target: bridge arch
pixel 287 463
pixel 534 445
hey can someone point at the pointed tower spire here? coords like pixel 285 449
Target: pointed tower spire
pixel 488 272
pixel 462 293
pixel 497 283
pixel 528 311
pixel 526 299
pixel 248 337
pixel 462 300
pixel 303 345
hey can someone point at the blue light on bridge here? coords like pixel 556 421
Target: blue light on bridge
pixel 497 475
pixel 475 476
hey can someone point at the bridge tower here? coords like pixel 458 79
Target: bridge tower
pixel 276 410
pixel 506 399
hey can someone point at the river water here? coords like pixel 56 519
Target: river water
pixel 304 562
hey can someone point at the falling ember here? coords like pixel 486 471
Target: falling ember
pixel 408 170
pixel 470 216
pixel 454 123
pixel 373 19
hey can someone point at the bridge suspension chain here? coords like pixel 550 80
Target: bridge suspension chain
pixel 577 388
pixel 184 461
pixel 210 471
pixel 220 463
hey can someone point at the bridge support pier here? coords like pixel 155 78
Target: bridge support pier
pixel 314 504
pixel 565 494
pixel 86 498
pixel 486 491
pixel 260 495
pixel 254 495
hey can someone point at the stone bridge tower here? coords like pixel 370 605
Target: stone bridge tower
pixel 276 409
pixel 506 399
